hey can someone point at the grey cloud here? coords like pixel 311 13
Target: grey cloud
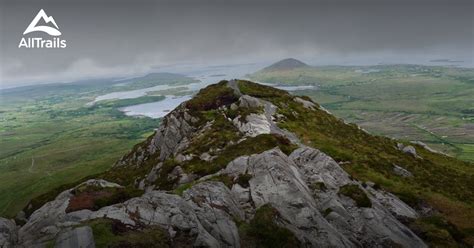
pixel 107 37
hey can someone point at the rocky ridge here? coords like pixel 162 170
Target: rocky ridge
pixel 210 176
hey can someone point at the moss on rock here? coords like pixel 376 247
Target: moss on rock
pixel 262 231
pixel 109 233
pixel 357 194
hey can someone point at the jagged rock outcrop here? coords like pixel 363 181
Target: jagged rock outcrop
pixel 172 138
pixel 277 181
pixel 312 197
pixel 261 123
pixel 171 212
pixel 366 226
pixel 46 222
pixel 216 209
pixel 169 139
pixel 206 211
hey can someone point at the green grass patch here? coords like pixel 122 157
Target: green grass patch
pixel 212 97
pixel 438 232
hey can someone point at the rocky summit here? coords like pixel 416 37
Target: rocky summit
pixel 247 165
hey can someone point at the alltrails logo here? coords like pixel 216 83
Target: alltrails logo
pixel 38 42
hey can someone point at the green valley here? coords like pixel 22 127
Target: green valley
pixel 51 135
pixel 431 104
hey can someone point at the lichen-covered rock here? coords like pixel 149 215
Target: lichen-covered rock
pixel 46 222
pixel 98 183
pixel 407 149
pixel 170 212
pixel 400 171
pixel 216 210
pixel 255 124
pixel 397 207
pixel 410 150
pixel 80 237
pixel 304 188
pixel 306 104
pixel 261 123
pixel 277 181
pixel 169 139
pixel 8 234
pixel 180 175
pixel 172 136
pixel 246 101
pixel 42 225
pixel 367 226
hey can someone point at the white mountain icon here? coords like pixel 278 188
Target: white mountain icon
pixel 47 29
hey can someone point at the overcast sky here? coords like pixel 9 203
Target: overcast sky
pixel 117 38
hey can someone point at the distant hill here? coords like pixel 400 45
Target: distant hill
pixel 286 64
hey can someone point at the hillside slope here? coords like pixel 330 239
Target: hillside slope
pixel 431 104
pixel 247 165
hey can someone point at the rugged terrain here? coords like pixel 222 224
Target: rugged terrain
pixel 247 165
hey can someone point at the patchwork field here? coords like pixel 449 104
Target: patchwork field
pixel 434 105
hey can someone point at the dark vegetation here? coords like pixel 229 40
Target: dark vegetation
pixel 357 194
pixel 326 212
pixel 243 180
pixel 438 232
pixel 110 233
pixel 262 231
pixel 319 186
pixel 242 113
pixel 212 97
pixel 94 198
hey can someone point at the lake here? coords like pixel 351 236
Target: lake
pixel 206 76
pixel 155 109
